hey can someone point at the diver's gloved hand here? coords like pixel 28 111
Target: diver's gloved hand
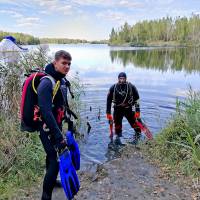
pixel 74 149
pixel 137 115
pixel 69 178
pixel 61 146
pixel 109 118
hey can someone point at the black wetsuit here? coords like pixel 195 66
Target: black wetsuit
pixel 50 131
pixel 124 97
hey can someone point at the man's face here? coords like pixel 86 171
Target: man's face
pixel 62 65
pixel 122 80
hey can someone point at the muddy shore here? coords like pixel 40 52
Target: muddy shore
pixel 130 176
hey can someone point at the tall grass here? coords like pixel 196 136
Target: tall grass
pixel 21 159
pixel 178 143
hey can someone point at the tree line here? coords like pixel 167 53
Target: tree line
pixel 61 41
pixel 70 41
pixel 179 30
pixel 21 38
pixel 27 39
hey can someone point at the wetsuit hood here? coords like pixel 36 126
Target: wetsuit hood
pixel 50 69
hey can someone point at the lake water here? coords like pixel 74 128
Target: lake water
pixel 160 74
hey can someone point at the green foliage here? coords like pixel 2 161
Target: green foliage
pixel 178 144
pixel 99 42
pixel 35 59
pixel 21 158
pixel 62 41
pixel 69 41
pixel 184 31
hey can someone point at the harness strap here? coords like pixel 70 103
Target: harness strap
pixel 127 91
pixel 56 85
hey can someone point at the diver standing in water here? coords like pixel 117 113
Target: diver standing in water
pixel 125 97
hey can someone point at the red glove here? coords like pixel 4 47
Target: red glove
pixel 109 117
pixel 137 115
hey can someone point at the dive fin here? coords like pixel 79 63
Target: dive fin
pixel 74 149
pixel 69 178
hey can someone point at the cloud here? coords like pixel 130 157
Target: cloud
pixel 44 6
pixel 112 16
pixel 93 3
pixel 14 2
pixel 54 6
pixel 65 9
pixel 26 25
pixel 49 4
pixel 160 2
pixel 129 4
pixel 28 22
pixel 21 20
pixel 44 12
pixel 111 3
pixel 11 13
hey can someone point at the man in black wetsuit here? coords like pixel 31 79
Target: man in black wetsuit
pixel 52 108
pixel 125 97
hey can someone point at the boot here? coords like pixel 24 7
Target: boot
pixel 118 142
pixel 45 196
pixel 136 138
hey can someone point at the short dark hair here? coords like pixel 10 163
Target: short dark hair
pixel 62 54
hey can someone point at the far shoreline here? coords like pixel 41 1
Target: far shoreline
pixel 128 45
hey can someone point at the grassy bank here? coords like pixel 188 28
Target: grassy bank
pixel 21 159
pixel 177 146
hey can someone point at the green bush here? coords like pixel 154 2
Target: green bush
pixel 178 143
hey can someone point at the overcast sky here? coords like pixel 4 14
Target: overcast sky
pixel 85 19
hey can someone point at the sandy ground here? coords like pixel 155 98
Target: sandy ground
pixel 130 177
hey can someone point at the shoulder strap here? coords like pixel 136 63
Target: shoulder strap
pixel 33 83
pixel 56 85
pixel 130 89
pixel 51 79
pixel 114 91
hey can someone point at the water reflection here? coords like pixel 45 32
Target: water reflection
pixel 176 59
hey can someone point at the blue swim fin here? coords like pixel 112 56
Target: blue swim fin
pixel 74 149
pixel 69 178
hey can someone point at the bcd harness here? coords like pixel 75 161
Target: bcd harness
pixel 126 93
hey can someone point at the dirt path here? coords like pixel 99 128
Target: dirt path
pixel 128 177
